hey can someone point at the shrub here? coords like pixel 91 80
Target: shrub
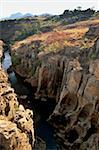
pixel 16 60
pixel 27 30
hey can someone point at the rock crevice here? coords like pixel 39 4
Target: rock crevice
pixel 16 123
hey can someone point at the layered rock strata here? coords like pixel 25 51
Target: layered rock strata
pixel 16 123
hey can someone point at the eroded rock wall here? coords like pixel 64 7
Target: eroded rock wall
pixel 16 123
pixel 71 77
pixel 76 116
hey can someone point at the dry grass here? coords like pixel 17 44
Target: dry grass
pixel 70 35
pixel 82 24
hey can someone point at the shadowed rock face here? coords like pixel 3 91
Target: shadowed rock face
pixel 16 123
pixel 76 116
pixel 48 72
pixel 93 32
pixel 71 77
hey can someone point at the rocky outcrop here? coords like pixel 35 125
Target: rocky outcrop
pixel 16 123
pixel 61 65
pixel 93 32
pixel 71 77
pixel 46 72
pixel 1 48
pixel 75 118
pixel 94 52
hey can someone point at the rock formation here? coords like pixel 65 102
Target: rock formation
pixel 76 115
pixel 71 77
pixel 93 32
pixel 16 123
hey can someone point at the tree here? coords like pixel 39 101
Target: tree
pixel 79 8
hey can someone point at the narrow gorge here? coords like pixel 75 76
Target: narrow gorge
pixel 49 84
pixel 72 81
pixel 16 122
pixel 26 98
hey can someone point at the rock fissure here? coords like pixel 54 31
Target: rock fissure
pixel 11 136
pixel 62 67
pixel 76 92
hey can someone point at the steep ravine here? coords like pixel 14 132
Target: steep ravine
pixel 56 74
pixel 71 77
pixel 41 109
pixel 16 122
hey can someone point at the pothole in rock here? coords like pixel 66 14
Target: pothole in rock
pixel 72 136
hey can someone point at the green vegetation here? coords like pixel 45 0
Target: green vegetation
pixel 41 47
pixel 93 56
pixel 31 70
pixel 27 30
pixel 55 47
pixel 16 60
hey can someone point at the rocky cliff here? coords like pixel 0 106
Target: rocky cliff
pixel 76 116
pixel 42 58
pixel 16 123
pixel 62 64
pixel 71 77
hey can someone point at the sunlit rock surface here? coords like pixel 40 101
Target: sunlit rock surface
pixel 16 123
pixel 70 76
pixel 76 116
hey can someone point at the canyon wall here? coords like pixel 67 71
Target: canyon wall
pixel 63 65
pixel 76 116
pixel 16 123
pixel 71 78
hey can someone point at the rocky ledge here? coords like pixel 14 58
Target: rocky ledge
pixel 16 123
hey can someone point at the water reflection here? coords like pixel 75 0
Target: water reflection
pixel 43 130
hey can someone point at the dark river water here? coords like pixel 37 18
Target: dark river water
pixel 41 109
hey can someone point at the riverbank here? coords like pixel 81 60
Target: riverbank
pixel 16 122
pixel 56 74
pixel 41 109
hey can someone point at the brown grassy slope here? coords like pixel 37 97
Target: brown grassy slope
pixel 62 36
